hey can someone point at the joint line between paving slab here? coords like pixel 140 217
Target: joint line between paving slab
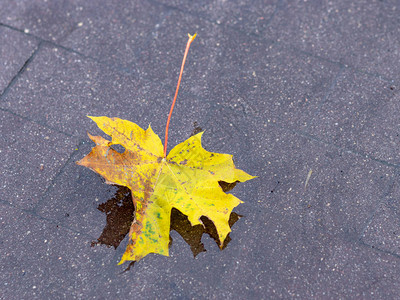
pixel 332 85
pixel 34 214
pixel 384 199
pixel 376 248
pixel 36 122
pixel 319 140
pixel 152 32
pixel 54 44
pixel 113 67
pixel 286 46
pixel 330 89
pixel 289 46
pixel 21 31
pixel 375 75
pixel 334 62
pixel 41 40
pixel 342 66
pixel 355 152
pixel 259 38
pixel 21 71
pixel 58 174
pixel 205 18
pixel 277 8
pixel 254 114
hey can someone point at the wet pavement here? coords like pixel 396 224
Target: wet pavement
pixel 304 94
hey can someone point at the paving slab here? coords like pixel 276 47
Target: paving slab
pixel 163 64
pixel 358 114
pixel 15 49
pixel 115 32
pixel 253 80
pixel 236 14
pixel 362 34
pixel 310 226
pixel 46 259
pixel 382 231
pixel 336 104
pixel 31 157
pixel 48 20
pixel 359 184
pixel 60 89
pixel 304 235
pixel 303 94
pixel 299 240
pixel 75 196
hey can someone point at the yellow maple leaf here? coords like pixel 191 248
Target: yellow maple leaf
pixel 186 179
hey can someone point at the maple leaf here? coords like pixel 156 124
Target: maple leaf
pixel 186 179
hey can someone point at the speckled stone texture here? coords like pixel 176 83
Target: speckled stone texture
pixel 15 51
pixel 304 94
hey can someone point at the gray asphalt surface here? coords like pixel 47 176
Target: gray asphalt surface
pixel 290 88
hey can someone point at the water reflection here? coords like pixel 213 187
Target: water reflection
pixel 119 215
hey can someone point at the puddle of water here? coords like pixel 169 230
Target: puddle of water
pixel 119 212
pixel 197 129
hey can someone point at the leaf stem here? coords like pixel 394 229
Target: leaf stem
pixel 191 38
